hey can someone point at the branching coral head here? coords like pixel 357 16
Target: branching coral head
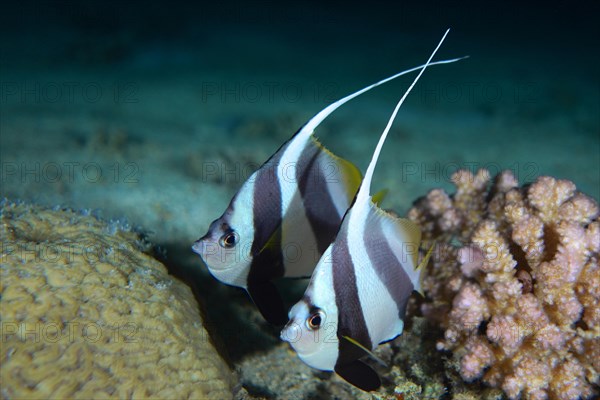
pixel 520 299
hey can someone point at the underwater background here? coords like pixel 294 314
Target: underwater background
pixel 155 113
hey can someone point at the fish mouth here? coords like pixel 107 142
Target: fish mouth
pixel 290 326
pixel 292 333
pixel 292 338
pixel 197 246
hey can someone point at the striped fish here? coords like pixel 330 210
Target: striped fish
pixel 358 292
pixel 284 216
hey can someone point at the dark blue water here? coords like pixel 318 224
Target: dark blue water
pixel 139 87
pixel 157 111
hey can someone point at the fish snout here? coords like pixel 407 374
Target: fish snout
pixel 291 332
pixel 205 245
pixel 198 246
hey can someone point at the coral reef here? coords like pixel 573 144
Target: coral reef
pixel 414 371
pixel 515 283
pixel 86 312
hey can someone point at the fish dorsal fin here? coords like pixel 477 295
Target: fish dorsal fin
pixel 402 235
pixel 363 193
pixel 315 121
pixel 348 170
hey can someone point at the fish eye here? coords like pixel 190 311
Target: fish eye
pixel 315 320
pixel 229 239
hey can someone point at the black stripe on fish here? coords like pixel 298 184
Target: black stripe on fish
pixel 319 206
pixel 266 266
pixel 266 207
pixel 389 269
pixel 267 261
pixel 351 320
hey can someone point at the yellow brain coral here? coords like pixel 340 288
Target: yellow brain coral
pixel 520 299
pixel 86 313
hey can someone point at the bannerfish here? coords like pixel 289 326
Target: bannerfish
pixel 284 216
pixel 356 298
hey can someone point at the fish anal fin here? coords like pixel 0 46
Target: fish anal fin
pixel 360 375
pixel 267 299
